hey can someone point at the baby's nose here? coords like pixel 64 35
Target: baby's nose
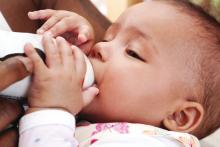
pixel 101 52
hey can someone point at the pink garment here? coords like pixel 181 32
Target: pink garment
pixel 56 128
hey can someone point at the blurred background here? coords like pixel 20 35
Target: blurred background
pixel 113 8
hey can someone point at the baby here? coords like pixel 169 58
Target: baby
pixel 157 65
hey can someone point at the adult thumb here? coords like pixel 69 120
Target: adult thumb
pixel 12 70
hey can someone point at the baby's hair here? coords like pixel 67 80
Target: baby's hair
pixel 209 64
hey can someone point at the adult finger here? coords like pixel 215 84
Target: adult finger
pixel 11 70
pixel 9 138
pixel 10 111
pixel 26 62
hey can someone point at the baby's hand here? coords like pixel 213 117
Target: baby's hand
pixel 58 83
pixel 73 27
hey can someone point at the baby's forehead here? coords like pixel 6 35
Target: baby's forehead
pixel 154 14
pixel 160 21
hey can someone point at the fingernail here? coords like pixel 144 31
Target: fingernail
pixel 81 39
pixel 59 38
pixel 48 34
pixel 73 47
pixel 40 31
pixel 30 13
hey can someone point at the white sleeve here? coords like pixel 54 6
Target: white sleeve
pixel 137 141
pixel 55 128
pixel 47 128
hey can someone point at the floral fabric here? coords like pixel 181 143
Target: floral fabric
pixel 91 133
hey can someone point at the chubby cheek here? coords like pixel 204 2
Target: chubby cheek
pixel 113 93
pixel 123 93
pixel 131 94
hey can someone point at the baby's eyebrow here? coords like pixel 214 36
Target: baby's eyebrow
pixel 152 50
pixel 141 33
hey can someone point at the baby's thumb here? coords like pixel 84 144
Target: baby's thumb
pixel 89 94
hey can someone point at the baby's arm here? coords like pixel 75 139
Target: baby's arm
pixel 57 86
pixel 47 128
pixel 83 7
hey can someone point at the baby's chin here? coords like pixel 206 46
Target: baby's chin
pixel 87 114
pixel 90 117
pixel 93 115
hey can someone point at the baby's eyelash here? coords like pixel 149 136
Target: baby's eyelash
pixel 104 40
pixel 135 55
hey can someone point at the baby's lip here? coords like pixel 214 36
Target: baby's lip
pixel 95 85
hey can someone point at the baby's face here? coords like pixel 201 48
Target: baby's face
pixel 138 70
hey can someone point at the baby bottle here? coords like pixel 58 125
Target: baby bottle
pixel 12 44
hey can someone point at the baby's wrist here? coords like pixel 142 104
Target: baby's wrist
pixel 46 117
pixel 35 109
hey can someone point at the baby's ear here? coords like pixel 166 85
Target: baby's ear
pixel 186 119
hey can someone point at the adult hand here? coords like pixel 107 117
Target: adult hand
pixel 11 70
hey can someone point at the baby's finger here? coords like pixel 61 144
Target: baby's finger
pixel 61 27
pixel 84 35
pixel 80 62
pixel 89 94
pixel 85 39
pixel 66 53
pixel 38 64
pixel 86 47
pixel 41 14
pixel 51 51
pixel 50 23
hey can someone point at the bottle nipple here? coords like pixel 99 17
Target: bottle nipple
pixel 89 76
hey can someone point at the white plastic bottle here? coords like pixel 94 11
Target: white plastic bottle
pixel 11 44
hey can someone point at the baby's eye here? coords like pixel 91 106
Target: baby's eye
pixel 134 55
